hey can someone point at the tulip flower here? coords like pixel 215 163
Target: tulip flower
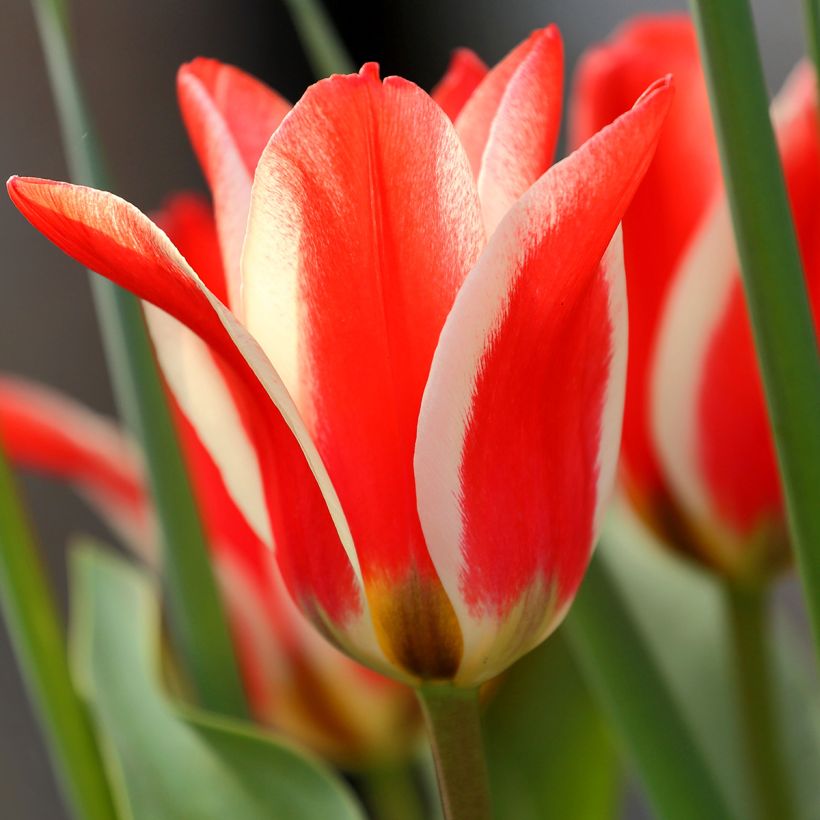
pixel 296 681
pixel 411 376
pixel 698 456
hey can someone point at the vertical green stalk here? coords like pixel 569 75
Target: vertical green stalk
pixel 325 50
pixel 811 11
pixel 197 619
pixel 772 271
pixel 607 642
pixel 37 636
pixel 454 726
pixel 747 610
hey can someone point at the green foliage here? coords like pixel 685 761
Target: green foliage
pixel 172 763
pixel 549 751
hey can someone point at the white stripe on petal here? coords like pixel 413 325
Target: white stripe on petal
pixel 205 398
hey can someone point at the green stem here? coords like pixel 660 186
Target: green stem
pixel 811 11
pixel 392 793
pixel 37 636
pixel 631 688
pixel 747 609
pixel 197 619
pixel 454 727
pixel 325 50
pixel 772 271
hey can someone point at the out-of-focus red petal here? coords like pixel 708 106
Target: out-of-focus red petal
pixel 669 203
pixel 465 72
pixel 188 220
pixel 520 421
pixel 47 432
pixel 230 117
pixel 736 446
pixel 113 238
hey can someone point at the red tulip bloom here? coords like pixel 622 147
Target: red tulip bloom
pixel 411 380
pixel 296 681
pixel 698 455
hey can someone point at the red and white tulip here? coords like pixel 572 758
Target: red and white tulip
pixel 698 455
pixel 410 380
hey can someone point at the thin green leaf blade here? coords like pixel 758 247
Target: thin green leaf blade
pixel 175 762
pixel 549 750
pixel 773 275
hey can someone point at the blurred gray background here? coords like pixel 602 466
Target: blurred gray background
pixel 129 51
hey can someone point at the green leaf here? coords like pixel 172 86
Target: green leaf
pixel 549 751
pixel 198 623
pixel 171 762
pixel 773 277
pixel 677 613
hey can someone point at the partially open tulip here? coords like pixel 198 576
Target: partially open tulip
pixel 698 456
pixel 411 377
pixel 295 680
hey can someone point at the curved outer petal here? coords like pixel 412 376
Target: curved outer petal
pixel 465 72
pixel 710 422
pixel 509 126
pixel 296 681
pixel 108 235
pixel 230 116
pixel 667 207
pixel 520 421
pixel 364 222
pixel 45 431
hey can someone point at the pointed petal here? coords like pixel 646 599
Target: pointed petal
pixel 710 423
pixel 45 431
pixel 112 237
pixel 230 117
pixel 363 224
pixel 524 132
pixel 520 420
pixel 668 205
pixel 465 72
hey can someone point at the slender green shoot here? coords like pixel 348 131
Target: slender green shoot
pixel 197 619
pixel 772 271
pixel 37 636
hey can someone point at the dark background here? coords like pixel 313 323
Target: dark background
pixel 129 51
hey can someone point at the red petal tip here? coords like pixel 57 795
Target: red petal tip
pixel 370 71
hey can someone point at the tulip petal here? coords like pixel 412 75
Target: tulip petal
pixel 520 421
pixel 230 116
pixel 188 220
pixel 106 234
pixel 524 132
pixel 364 221
pixel 465 72
pixel 47 432
pixel 667 207
pixel 710 423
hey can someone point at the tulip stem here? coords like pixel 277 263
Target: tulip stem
pixel 747 609
pixel 198 624
pixel 812 14
pixel 772 271
pixel 454 726
pixel 37 636
pixel 325 50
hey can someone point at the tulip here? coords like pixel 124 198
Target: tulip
pixel 296 681
pixel 411 377
pixel 698 460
